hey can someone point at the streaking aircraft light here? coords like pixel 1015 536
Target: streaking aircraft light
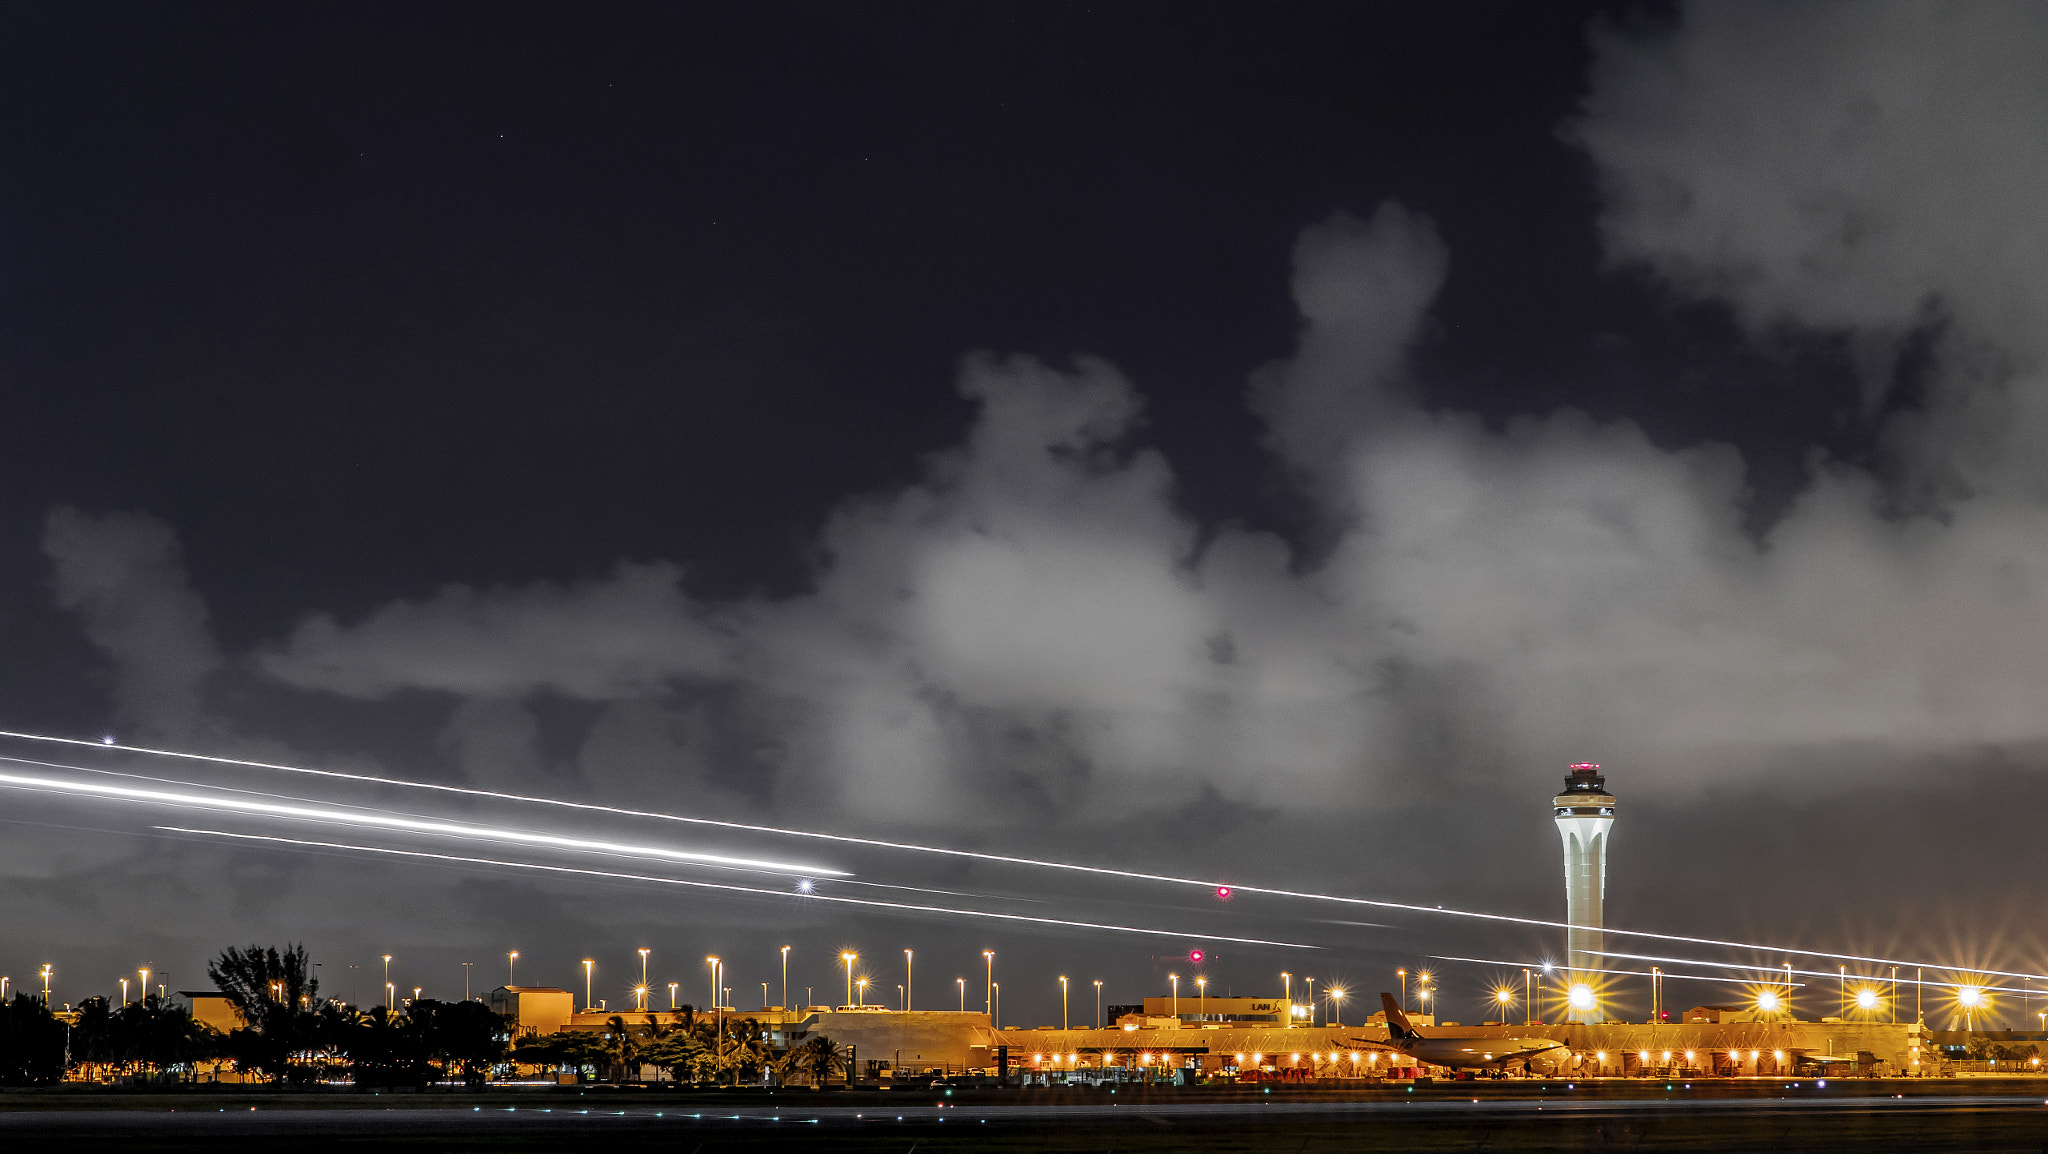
pixel 727 887
pixel 297 809
pixel 1003 859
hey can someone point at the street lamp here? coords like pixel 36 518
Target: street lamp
pixel 145 985
pixel 1201 998
pixel 846 959
pixel 860 989
pixel 124 991
pixel 1064 1023
pixel 962 982
pixel 1504 998
pixel 465 980
pixel 589 967
pixel 511 959
pixel 1337 1009
pixel 1098 1004
pixel 1528 997
pixel 1311 1003
pixel 643 965
pixel 785 977
pixel 672 994
pixel 1403 975
pixel 906 980
pixel 989 956
pixel 640 997
pixel 390 997
pixel 387 976
pixel 416 993
pixel 1175 979
pixel 1287 984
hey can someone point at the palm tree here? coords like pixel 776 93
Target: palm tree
pixel 821 1056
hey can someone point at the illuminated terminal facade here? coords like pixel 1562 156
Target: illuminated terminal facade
pixel 1585 814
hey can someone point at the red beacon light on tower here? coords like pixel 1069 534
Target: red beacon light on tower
pixel 1222 893
pixel 1196 956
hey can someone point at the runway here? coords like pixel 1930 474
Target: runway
pixel 1790 1117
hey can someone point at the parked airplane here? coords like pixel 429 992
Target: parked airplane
pixel 1463 1053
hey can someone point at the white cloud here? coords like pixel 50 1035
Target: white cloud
pixel 124 575
pixel 628 635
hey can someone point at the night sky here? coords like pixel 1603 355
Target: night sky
pixel 1261 442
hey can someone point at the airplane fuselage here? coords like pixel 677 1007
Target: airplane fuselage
pixel 1479 1053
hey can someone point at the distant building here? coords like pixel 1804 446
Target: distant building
pixel 1195 1010
pixel 1584 814
pixel 212 1008
pixel 533 1009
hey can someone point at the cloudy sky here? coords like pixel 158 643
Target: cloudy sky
pixel 1259 443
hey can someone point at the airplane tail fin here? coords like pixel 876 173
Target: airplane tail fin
pixel 1397 1021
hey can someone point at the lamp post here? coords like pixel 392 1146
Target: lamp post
pixel 1311 1003
pixel 1099 1023
pixel 1892 1012
pixel 1528 1002
pixel 124 991
pixel 785 977
pixel 962 982
pixel 465 980
pixel 711 961
pixel 989 956
pixel 1175 979
pixel 643 965
pixel 672 994
pixel 511 959
pixel 860 989
pixel 589 967
pixel 1844 980
pixel 1287 985
pixel 416 993
pixel 1403 975
pixel 1337 1008
pixel 390 997
pixel 764 995
pixel 1201 998
pixel 145 985
pixel 846 959
pixel 1656 995
pixel 1064 1023
pixel 996 989
pixel 48 969
pixel 906 980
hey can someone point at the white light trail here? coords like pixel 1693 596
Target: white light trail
pixel 1589 970
pixel 295 809
pixel 725 887
pixel 1837 975
pixel 1002 859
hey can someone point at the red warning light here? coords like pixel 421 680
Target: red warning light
pixel 1196 956
pixel 1222 893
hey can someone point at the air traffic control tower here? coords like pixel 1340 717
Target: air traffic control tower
pixel 1585 812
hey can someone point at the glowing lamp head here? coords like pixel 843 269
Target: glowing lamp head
pixel 1503 997
pixel 806 886
pixel 1866 999
pixel 1767 1002
pixel 1582 996
pixel 1970 996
